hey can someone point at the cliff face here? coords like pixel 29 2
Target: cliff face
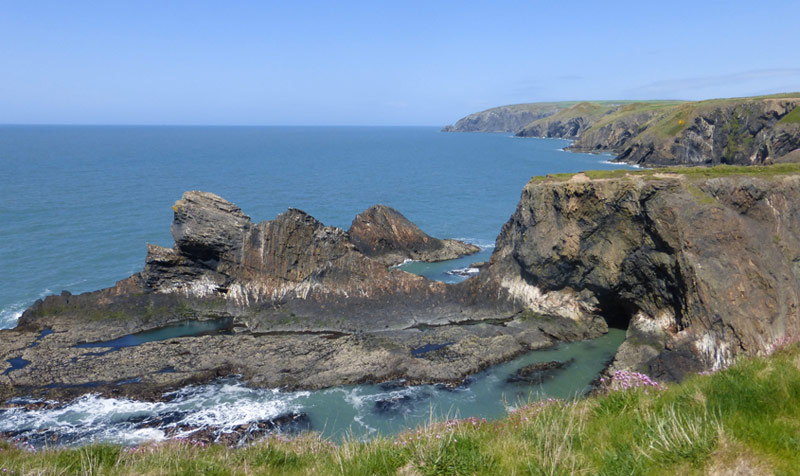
pixel 748 131
pixel 700 270
pixel 740 132
pixel 569 123
pixel 509 119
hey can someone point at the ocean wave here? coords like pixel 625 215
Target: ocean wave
pixel 482 244
pixel 10 315
pixel 222 406
pixel 463 272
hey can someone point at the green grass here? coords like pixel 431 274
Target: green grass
pixel 699 173
pixel 792 118
pixel 745 417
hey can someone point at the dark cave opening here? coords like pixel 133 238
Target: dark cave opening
pixel 615 311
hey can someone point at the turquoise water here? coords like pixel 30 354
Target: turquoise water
pixel 78 203
pixel 360 411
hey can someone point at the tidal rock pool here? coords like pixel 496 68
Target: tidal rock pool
pixel 229 411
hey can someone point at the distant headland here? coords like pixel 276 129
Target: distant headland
pixel 738 131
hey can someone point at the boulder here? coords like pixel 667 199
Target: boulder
pixel 384 234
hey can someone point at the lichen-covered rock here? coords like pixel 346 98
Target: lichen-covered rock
pixel 384 234
pixel 702 269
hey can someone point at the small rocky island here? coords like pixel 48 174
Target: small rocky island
pixel 699 265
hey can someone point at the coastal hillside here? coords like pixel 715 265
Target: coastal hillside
pixel 511 118
pixel 738 131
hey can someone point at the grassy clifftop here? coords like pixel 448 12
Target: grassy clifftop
pixel 744 131
pixel 741 420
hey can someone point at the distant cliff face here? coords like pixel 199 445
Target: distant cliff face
pixel 741 132
pixel 508 119
pixel 569 123
pixel 748 131
pixel 699 269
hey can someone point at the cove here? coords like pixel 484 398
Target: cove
pixel 226 406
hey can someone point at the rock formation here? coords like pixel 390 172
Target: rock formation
pixel 700 270
pixel 305 308
pixel 384 234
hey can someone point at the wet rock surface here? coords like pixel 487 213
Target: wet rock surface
pixel 538 373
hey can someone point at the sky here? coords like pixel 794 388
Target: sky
pixel 375 62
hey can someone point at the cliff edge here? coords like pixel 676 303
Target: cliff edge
pixel 700 265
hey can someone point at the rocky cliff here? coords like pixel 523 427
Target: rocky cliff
pixel 509 118
pixel 700 267
pixel 747 131
pixel 741 131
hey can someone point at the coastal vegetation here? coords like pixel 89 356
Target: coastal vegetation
pixel 718 171
pixel 742 131
pixel 744 418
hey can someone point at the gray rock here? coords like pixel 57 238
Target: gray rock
pixel 384 234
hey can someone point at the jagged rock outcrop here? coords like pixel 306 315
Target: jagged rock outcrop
pixel 699 269
pixel 303 308
pixel 509 118
pixel 384 234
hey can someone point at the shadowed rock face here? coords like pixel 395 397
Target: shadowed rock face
pixel 384 234
pixel 702 269
pixel 306 309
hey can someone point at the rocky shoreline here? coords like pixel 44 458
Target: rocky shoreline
pixel 699 265
pixel 307 309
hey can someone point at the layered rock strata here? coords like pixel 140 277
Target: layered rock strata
pixel 385 235
pixel 740 131
pixel 700 270
pixel 306 307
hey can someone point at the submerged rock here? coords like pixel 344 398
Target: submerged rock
pixel 538 373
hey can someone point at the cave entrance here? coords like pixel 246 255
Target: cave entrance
pixel 616 312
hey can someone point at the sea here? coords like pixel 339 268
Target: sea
pixel 78 204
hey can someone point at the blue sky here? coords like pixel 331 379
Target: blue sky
pixel 376 63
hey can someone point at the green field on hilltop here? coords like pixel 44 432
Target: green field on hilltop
pixel 689 172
